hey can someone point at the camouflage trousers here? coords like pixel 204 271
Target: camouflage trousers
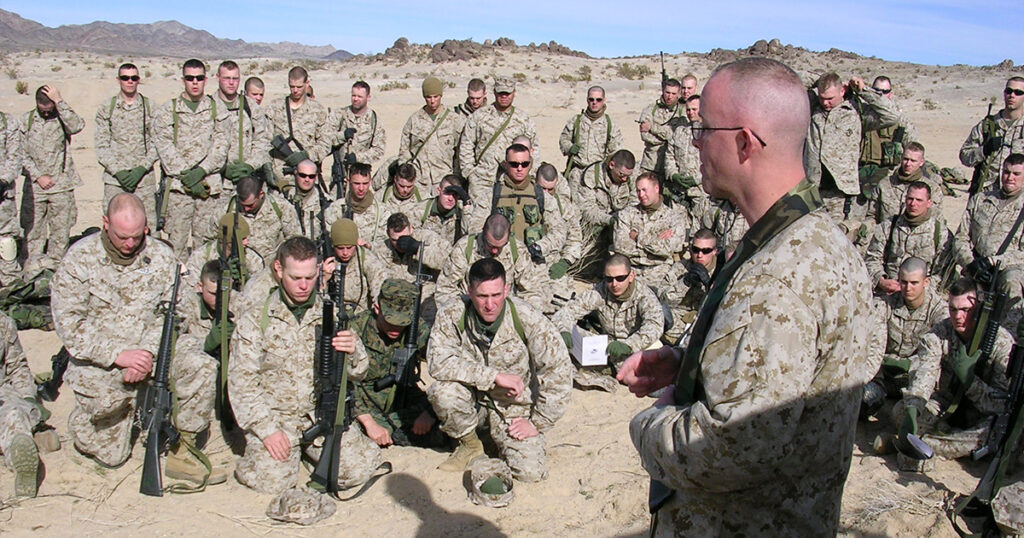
pixel 358 460
pixel 850 213
pixel 947 442
pixel 461 410
pixel 103 415
pixel 146 191
pixel 17 416
pixel 190 217
pixel 49 227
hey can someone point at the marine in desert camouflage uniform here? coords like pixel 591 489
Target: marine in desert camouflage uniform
pixel 657 122
pixel 686 284
pixel 270 217
pixel 651 232
pixel 430 138
pixel 358 131
pixel 995 137
pixel 360 204
pixel 588 137
pixel 249 130
pixel 302 121
pixel 11 157
pixel 892 190
pixel 20 411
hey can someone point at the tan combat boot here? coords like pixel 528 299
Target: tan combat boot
pixel 25 460
pixel 469 449
pixel 182 465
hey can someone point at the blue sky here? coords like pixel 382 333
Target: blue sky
pixel 930 32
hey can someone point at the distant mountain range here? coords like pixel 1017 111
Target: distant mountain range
pixel 163 38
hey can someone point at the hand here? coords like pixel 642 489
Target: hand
pixel 295 158
pixel 574 150
pixel 889 285
pixel 349 133
pixel 45 182
pixel 633 235
pixel 521 428
pixel 327 268
pixel 130 178
pixel 52 93
pixel 407 244
pixel 697 276
pixel 645 126
pixel 236 170
pixel 567 338
pixel 512 382
pixel 558 269
pixel 457 192
pixel 992 145
pixel 377 433
pixel 344 341
pixel 856 83
pixel 617 349
pixel 135 359
pixel 650 370
pixel 683 181
pixel 666 234
pixel 536 254
pixel 212 342
pixel 44 413
pixel 423 423
pixel 350 158
pixel 278 445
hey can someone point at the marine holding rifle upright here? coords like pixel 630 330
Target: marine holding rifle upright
pixel 995 137
pixel 104 298
pixel 301 123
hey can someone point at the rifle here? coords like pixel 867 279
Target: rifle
pixel 49 389
pixel 333 411
pixel 664 74
pixel 222 312
pixel 406 372
pixel 161 201
pixel 339 172
pixel 979 169
pixel 280 148
pixel 159 402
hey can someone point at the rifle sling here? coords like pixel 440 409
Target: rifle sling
pixel 430 134
pixel 497 133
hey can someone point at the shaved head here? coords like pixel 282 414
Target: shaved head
pixel 126 206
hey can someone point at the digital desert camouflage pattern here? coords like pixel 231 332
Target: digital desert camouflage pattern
pixel 892 193
pixel 479 160
pixel 311 128
pixel 871 142
pixel 833 138
pixel 193 370
pixel 519 203
pixel 370 139
pixel 10 147
pixel 635 319
pixel 99 310
pixel 525 278
pixel 600 198
pixel 434 149
pixel 412 207
pixel 10 171
pixel 364 275
pixel 198 138
pixel 256 290
pixel 274 221
pixel 650 254
pixel 664 120
pixel 782 366
pixel 972 153
pixel 307 208
pixel 270 380
pixel 681 299
pixel 248 132
pixel 253 262
pixel 906 326
pixel 463 363
pixel 926 240
pixel 933 387
pixel 683 158
pixel 985 225
pixel 443 227
pixel 17 415
pixel 723 218
pixel 124 140
pixel 597 139
pixel 371 221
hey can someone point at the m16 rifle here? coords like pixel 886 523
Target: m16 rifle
pixel 159 401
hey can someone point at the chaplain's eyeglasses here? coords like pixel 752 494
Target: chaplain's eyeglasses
pixel 697 130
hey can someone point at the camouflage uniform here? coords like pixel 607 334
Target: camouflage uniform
pixel 880 147
pixel 681 299
pixel 463 360
pixel 600 198
pixel 99 310
pixel 307 207
pixel 124 140
pixel 889 246
pixel 906 326
pixel 533 221
pixel 984 226
pixel 370 139
pixel 833 147
pixel 18 416
pixel 933 387
pixel 310 126
pixel 371 222
pixel 274 221
pixel 597 139
pixel 683 158
pixel 46 148
pixel 650 255
pixel 364 274
pixel 10 170
pixel 892 194
pixel 482 148
pixel 664 120
pixel 270 379
pixel 522 275
pixel 430 144
pixel 994 126
pixel 248 132
pixel 195 389
pixel 254 263
pixel 412 206
pixel 256 289
pixel 446 228
pixel 723 218
pixel 635 319
pixel 572 248
pixel 767 447
pixel 186 139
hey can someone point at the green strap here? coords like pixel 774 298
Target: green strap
pixel 430 134
pixel 497 133
pixel 265 312
pixel 241 131
pixel 517 324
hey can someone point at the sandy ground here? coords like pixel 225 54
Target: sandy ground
pixel 596 486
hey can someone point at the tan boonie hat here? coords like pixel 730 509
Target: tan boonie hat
pixel 432 86
pixel 344 233
pixel 490 482
pixel 504 85
pixel 396 300
pixel 301 506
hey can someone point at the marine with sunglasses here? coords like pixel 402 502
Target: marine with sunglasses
pixel 995 137
pixel 588 137
pixel 684 287
pixel 124 142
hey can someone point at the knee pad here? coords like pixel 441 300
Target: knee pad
pixel 8 249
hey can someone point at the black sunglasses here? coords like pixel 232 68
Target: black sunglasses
pixel 883 92
pixel 619 278
pixel 307 176
pixel 190 78
pixel 1014 91
pixel 595 99
pixel 126 78
pixel 698 250
pixel 517 164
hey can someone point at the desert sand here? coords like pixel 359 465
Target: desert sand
pixel 596 486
